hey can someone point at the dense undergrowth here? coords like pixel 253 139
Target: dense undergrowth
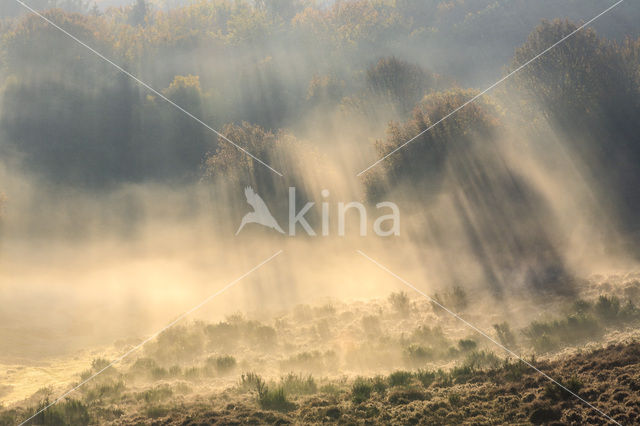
pixel 279 366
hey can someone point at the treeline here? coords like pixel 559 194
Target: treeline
pixel 73 119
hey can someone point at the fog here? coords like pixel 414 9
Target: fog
pixel 119 212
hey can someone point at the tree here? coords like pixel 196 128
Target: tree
pixel 423 161
pixel 401 83
pixel 230 168
pixel 187 141
pixel 587 88
pixel 506 224
pixel 138 13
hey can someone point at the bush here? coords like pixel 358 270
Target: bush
pixel 458 298
pixel 143 366
pixel 109 389
pixel 546 336
pixel 193 373
pixel 158 373
pixel 295 384
pixel 505 336
pixel 479 360
pixel 156 411
pixel 405 395
pixel 99 364
pixel 425 377
pixel 361 390
pixel 467 345
pixel 455 300
pixel 399 378
pixel 310 361
pixel 371 325
pixel 330 389
pixel 444 378
pixel 177 344
pixel 432 336
pixel 418 353
pixel 251 381
pixel 155 395
pixel 460 374
pixel 379 384
pixel 608 308
pixel 275 399
pixel 222 335
pixel 515 370
pixel 70 412
pixel 555 393
pixel 222 364
pixel 454 399
pixel 400 302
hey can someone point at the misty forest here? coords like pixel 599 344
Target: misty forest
pixel 154 155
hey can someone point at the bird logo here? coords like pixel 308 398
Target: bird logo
pixel 260 214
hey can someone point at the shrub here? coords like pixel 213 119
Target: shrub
pixel 399 378
pixel 444 378
pixel 222 364
pixel 156 411
pixel 177 344
pixel 266 336
pixel 222 335
pixel 458 297
pixel 556 393
pixel 251 381
pixel 193 373
pixel 608 308
pixel 330 389
pixel 70 412
pixel 107 390
pixel 143 366
pixel 314 360
pixel 400 302
pixel 295 384
pixel 361 390
pixel 454 399
pixel 275 399
pixel 582 306
pixel 158 373
pixel 418 353
pixel 406 395
pixel 425 377
pixel 379 384
pixel 433 337
pixel 515 370
pixel 546 336
pixel 467 345
pixel 99 364
pixel 270 399
pixel 479 360
pixel 460 374
pixel 455 300
pixel 86 375
pixel 155 395
pixel 505 336
pixel 371 325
